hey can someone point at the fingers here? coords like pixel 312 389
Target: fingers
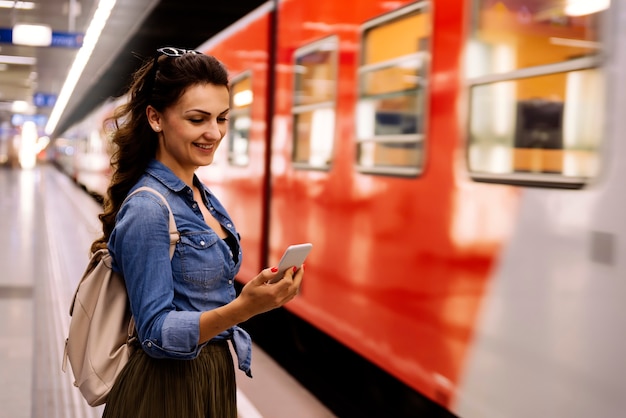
pixel 287 286
pixel 296 275
pixel 266 275
pixel 299 275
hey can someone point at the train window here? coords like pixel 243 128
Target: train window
pixel 240 120
pixel 314 104
pixel 391 109
pixel 537 91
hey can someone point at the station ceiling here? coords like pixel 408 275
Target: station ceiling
pixel 134 29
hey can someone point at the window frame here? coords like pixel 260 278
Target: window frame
pixel 297 109
pixel 542 179
pixel 426 58
pixel 233 113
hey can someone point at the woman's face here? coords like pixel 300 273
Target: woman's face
pixel 191 129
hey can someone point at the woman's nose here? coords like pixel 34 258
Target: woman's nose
pixel 213 131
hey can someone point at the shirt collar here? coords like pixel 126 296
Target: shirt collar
pixel 161 172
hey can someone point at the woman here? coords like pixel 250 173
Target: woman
pixel 185 308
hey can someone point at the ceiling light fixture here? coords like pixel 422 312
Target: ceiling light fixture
pixel 82 58
pixel 32 35
pixel 19 106
pixel 17 60
pixel 23 5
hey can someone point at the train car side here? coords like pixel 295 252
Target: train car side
pixel 387 277
pixel 393 275
pixel 84 151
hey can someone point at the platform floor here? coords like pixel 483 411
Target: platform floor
pixel 46 226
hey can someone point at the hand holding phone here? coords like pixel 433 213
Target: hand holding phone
pixel 293 256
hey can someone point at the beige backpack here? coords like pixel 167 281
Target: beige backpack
pixel 102 331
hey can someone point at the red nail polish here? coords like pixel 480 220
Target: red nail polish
pixel 274 269
pixel 295 269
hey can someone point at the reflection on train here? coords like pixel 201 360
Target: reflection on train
pixel 448 162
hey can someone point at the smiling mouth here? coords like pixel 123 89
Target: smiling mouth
pixel 206 147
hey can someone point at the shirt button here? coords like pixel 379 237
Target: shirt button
pixel 229 225
pixel 230 282
pixel 149 344
pixel 188 191
pixel 202 243
pixel 195 205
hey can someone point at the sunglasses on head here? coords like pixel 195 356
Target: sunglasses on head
pixel 168 51
pixel 176 52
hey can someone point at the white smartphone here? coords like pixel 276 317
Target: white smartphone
pixel 294 255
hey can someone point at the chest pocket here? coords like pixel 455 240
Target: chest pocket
pixel 201 260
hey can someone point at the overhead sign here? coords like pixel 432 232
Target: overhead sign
pixel 67 39
pixel 44 99
pixel 6 35
pixel 59 39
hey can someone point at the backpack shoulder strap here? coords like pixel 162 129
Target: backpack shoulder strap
pixel 174 234
pixel 174 238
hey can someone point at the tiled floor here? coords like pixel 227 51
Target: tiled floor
pixel 16 299
pixel 34 292
pixel 16 335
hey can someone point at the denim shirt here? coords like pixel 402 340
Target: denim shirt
pixel 168 297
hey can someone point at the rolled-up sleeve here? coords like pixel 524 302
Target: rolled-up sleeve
pixel 139 245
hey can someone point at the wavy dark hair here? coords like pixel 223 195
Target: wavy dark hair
pixel 159 82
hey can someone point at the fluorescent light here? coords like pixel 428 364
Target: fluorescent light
pixel 17 60
pixel 82 58
pixel 32 35
pixel 10 4
pixel 586 7
pixel 20 106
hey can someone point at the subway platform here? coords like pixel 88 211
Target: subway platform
pixel 46 226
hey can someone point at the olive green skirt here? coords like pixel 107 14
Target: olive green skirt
pixel 165 388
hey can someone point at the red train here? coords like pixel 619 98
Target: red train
pixel 456 166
